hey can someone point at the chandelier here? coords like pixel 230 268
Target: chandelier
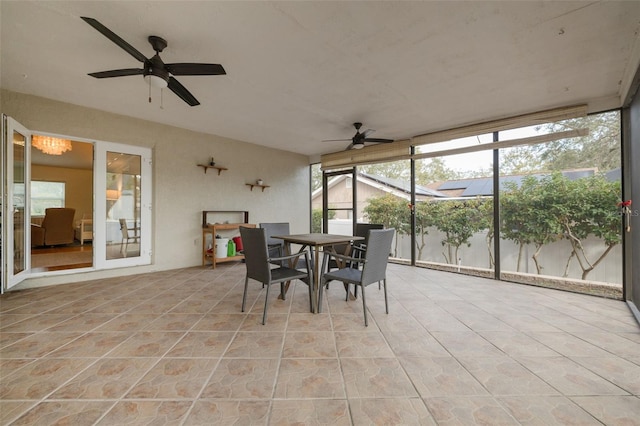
pixel 50 145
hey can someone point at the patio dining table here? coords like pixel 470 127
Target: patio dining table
pixel 315 241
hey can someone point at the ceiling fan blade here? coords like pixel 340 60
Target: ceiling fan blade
pixel 195 69
pixel 367 132
pixel 336 140
pixel 349 147
pixel 115 38
pixel 117 73
pixel 182 92
pixel 378 140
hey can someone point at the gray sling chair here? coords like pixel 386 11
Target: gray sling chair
pixel 260 267
pixel 276 245
pixel 374 268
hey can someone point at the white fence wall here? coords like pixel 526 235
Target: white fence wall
pixel 553 257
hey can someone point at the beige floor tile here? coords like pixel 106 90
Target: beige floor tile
pixel 64 412
pixel 362 344
pixel 37 345
pixel 174 322
pixel 41 377
pixel 309 322
pixel 376 378
pixel 466 343
pixel 202 344
pixel 10 410
pixel 310 412
pixel 504 376
pixel 623 373
pixel 305 344
pixel 414 343
pixel 275 322
pixel 129 322
pixel 219 322
pixel 223 413
pixel 147 344
pixel 470 350
pixel 108 378
pixel 515 343
pixel 441 376
pixel 612 410
pixel 393 411
pixel 309 378
pixel 242 379
pixel 146 413
pixel 472 410
pixel 568 377
pixel 174 378
pixel 546 411
pixel 250 344
pixel 351 322
pixel 91 345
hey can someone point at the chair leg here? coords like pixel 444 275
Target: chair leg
pixel 244 295
pixel 322 284
pixel 266 302
pixel 364 307
pixel 386 303
pixel 310 285
pixel 282 295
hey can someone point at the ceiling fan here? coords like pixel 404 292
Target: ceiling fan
pixel 156 72
pixel 359 139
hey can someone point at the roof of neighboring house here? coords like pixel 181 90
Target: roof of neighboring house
pixel 484 186
pixel 404 186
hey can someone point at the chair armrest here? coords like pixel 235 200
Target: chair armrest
pixel 289 256
pixel 343 257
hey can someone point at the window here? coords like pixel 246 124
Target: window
pixel 45 195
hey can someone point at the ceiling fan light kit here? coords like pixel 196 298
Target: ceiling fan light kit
pixel 155 72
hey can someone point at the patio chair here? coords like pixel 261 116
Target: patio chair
pixel 260 267
pixel 358 247
pixel 127 237
pixel 374 268
pixel 276 245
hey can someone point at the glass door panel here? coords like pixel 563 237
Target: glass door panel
pixel 17 203
pixel 123 179
pixel 339 192
pixel 123 205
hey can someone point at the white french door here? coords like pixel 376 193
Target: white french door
pixel 16 232
pixel 123 205
pixel 121 195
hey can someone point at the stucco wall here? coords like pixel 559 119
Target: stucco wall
pixel 181 190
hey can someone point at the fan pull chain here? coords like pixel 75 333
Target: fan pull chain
pixel 149 90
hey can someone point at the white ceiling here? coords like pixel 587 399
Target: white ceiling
pixel 300 72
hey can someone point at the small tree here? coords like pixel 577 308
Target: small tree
pixel 590 210
pixel 390 211
pixel 316 219
pixel 527 214
pixel 458 220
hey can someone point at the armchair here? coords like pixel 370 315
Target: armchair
pixel 56 228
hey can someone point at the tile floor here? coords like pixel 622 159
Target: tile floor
pixel 173 348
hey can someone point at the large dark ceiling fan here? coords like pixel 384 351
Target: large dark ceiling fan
pixel 156 72
pixel 359 139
